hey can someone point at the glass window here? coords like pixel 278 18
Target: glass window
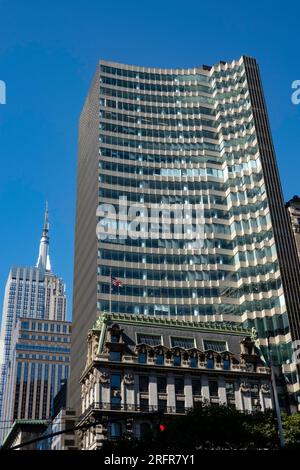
pixel 210 363
pixel 115 356
pixel 39 326
pixel 115 430
pixel 186 343
pixel 226 364
pixel 194 361
pixel 151 340
pixel 229 390
pixel 115 338
pixel 177 360
pixel 142 358
pixel 143 383
pixel 162 405
pixel 115 380
pixel 144 404
pixel 160 359
pixel 179 385
pixel 213 388
pixel 180 408
pixel 161 384
pixel 116 402
pixel 254 390
pixel 218 346
pixel 196 386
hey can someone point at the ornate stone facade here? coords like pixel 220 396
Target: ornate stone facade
pixel 145 369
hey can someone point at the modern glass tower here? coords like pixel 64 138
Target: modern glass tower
pixel 198 137
pixel 33 293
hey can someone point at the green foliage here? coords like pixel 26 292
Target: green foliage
pixel 211 427
pixel 215 427
pixel 291 427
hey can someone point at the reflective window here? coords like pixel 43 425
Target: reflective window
pixel 142 358
pixel 115 356
pixel 115 430
pixel 177 360
pixel 186 343
pixel 210 363
pixel 151 340
pixel 160 360
pixel 215 345
pixel 194 361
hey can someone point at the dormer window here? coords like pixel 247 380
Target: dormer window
pixel 210 362
pixel 115 334
pixel 194 361
pixel 115 356
pixel 142 358
pixel 218 346
pixel 160 359
pixel 177 360
pixel 150 340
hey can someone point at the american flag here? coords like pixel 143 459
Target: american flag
pixel 116 282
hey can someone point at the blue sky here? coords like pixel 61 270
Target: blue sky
pixel 48 54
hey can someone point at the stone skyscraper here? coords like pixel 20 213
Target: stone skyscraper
pixel 31 293
pixel 197 137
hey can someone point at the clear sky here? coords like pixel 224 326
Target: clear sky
pixel 48 54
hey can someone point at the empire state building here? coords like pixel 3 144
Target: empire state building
pixel 31 293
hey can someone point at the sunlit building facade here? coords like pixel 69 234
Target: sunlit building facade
pixel 39 363
pixel 198 137
pixel 33 293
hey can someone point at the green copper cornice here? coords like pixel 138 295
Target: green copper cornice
pixel 175 323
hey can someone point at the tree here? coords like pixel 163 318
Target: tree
pixel 208 426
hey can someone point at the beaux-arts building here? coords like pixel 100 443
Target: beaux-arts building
pixel 197 136
pixel 138 367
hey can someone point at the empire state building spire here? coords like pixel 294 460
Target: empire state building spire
pixel 43 261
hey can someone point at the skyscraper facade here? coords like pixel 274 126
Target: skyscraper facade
pixel 293 208
pixel 198 138
pixel 33 293
pixel 39 362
